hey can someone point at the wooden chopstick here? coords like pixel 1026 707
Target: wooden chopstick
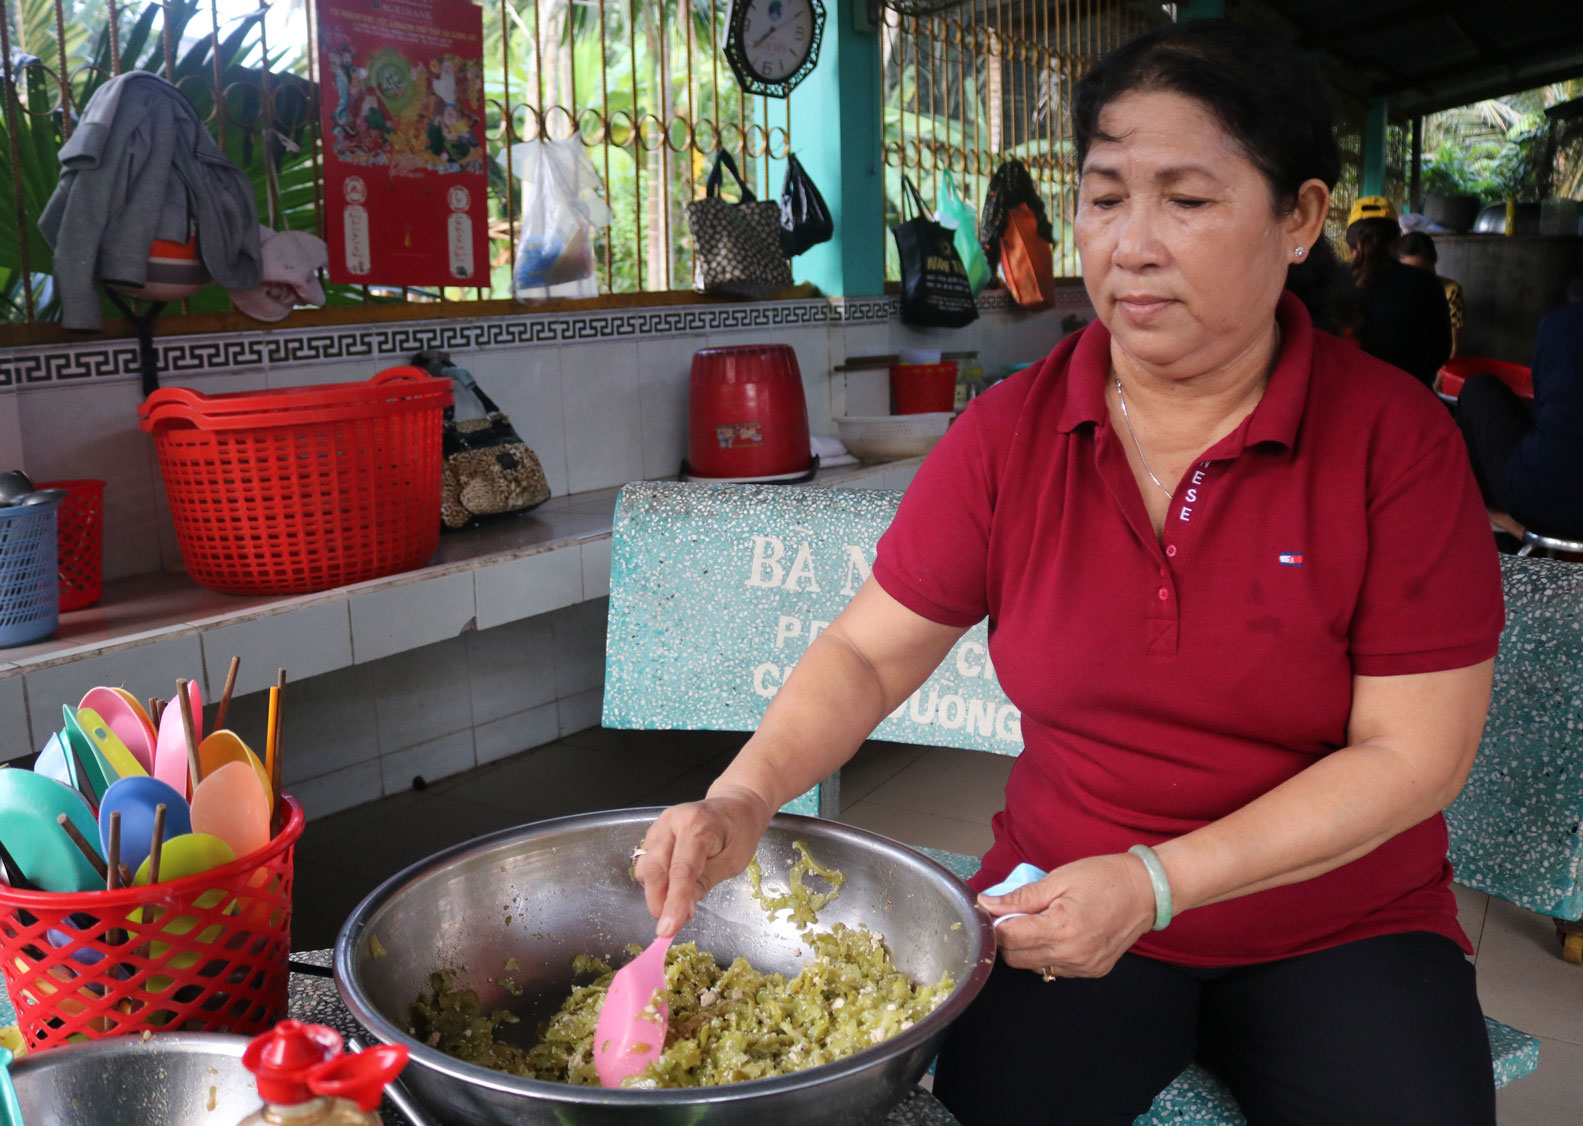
pixel 113 860
pixel 156 843
pixel 88 851
pixel 225 697
pixel 156 709
pixel 194 766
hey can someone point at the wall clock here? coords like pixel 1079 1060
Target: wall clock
pixel 772 45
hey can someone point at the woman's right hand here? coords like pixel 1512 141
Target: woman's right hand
pixel 692 847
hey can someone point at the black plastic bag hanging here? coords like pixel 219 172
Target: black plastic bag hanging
pixel 935 290
pixel 1010 186
pixel 805 220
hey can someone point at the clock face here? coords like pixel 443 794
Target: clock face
pixel 777 36
pixel 773 44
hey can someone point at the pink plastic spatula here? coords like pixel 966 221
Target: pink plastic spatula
pixel 630 1033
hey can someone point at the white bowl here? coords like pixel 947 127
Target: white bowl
pixel 887 437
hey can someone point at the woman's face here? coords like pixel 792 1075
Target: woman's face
pixel 1183 254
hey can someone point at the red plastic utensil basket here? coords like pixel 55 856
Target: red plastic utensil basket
pixel 202 954
pixel 303 488
pixel 79 534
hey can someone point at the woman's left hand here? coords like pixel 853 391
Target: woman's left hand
pixel 1081 918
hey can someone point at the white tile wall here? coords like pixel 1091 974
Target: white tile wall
pixel 13 719
pixel 393 620
pixel 421 695
pixel 579 633
pixel 533 584
pixel 526 384
pixel 10 432
pixel 331 793
pixel 580 712
pixel 90 430
pixel 599 383
pixel 305 642
pixel 664 372
pixel 511 668
pixel 513 733
pixel 438 758
pixel 596 568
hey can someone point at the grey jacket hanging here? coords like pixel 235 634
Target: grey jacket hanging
pixel 140 165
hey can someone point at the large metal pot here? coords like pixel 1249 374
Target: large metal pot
pixel 173 1079
pixel 543 893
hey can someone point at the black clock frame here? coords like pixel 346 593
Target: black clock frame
pixel 749 79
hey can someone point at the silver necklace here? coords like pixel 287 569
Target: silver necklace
pixel 1121 397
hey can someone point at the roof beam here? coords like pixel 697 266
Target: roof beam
pixel 1518 54
pixel 1477 91
pixel 1338 34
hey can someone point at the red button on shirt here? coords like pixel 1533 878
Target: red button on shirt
pixel 1336 532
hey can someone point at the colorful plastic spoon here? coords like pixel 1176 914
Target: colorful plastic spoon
pixel 135 799
pixel 170 753
pixel 630 1032
pixel 109 745
pixel 29 804
pixel 232 804
pixel 223 747
pixel 129 723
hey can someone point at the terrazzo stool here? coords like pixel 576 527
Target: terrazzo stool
pixel 716 590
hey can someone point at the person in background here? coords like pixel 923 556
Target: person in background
pixel 1405 321
pixel 1240 587
pixel 1529 460
pixel 1418 249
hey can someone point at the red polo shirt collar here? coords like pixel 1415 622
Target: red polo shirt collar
pixel 1274 419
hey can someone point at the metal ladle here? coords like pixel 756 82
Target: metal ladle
pixel 14 485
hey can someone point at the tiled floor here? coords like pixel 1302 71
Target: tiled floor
pixel 928 796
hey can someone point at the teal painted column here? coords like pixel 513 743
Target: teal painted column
pixel 1374 148
pixel 1201 10
pixel 835 129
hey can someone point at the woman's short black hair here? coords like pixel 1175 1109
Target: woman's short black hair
pixel 1266 94
pixel 1268 97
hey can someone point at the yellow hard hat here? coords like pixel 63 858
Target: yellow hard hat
pixel 1370 207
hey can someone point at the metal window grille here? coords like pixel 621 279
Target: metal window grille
pixel 643 81
pixel 989 80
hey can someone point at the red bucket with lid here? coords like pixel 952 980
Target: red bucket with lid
pixel 747 416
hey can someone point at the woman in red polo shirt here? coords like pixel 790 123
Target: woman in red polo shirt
pixel 1240 586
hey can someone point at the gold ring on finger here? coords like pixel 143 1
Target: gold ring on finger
pixel 1048 974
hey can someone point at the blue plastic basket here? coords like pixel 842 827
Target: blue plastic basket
pixel 29 576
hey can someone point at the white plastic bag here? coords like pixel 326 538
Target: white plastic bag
pixel 562 204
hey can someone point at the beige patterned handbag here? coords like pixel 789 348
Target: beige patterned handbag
pixel 486 468
pixel 736 246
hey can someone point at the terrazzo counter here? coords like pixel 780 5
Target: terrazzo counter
pixel 314 998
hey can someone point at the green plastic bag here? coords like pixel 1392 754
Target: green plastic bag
pixel 954 212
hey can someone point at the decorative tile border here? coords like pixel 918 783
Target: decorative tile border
pixel 117 359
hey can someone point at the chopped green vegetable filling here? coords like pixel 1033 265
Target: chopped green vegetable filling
pixel 727 1024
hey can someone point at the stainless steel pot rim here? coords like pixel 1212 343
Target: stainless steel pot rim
pixel 360 1007
pixel 161 1043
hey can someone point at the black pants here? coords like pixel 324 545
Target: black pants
pixel 1493 420
pixel 1384 1031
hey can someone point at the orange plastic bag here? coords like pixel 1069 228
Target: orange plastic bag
pixel 1027 262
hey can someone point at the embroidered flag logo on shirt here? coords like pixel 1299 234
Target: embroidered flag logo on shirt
pixel 1290 559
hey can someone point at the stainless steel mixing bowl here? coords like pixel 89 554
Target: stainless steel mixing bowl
pixel 173 1079
pixel 545 892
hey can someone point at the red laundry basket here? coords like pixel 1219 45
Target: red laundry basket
pixel 79 533
pixel 302 488
pixel 206 953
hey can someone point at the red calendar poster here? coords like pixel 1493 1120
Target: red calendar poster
pixel 401 87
